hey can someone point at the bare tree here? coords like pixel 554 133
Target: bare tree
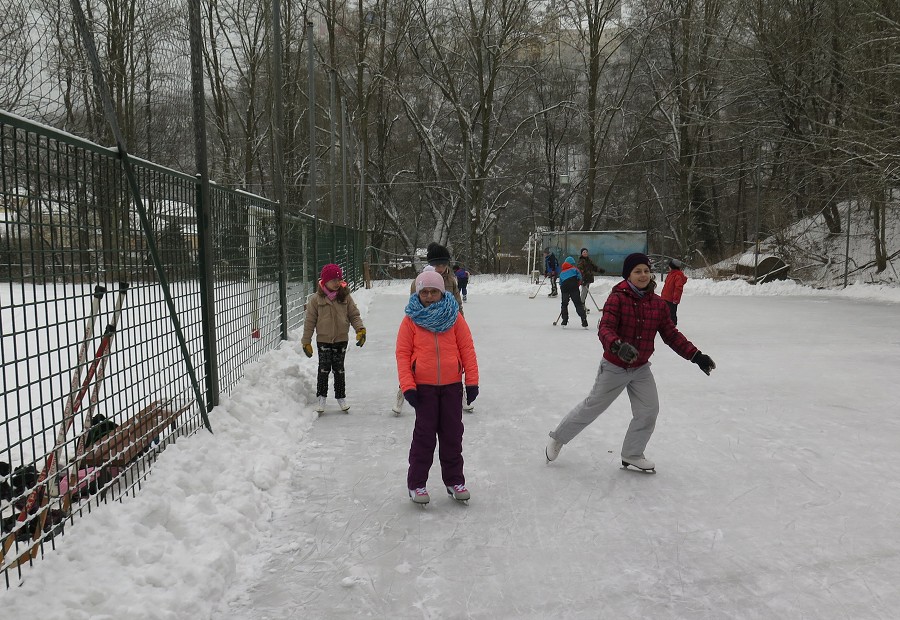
pixel 15 54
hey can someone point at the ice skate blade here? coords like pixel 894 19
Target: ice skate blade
pixel 626 466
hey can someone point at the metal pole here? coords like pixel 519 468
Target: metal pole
pixel 847 248
pixel 311 102
pixel 344 190
pixel 566 207
pixel 756 225
pixel 466 223
pixel 278 173
pixel 332 129
pixel 205 245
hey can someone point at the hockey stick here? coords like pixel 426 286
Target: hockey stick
pixel 96 369
pixel 95 393
pixel 98 365
pixel 68 416
pixel 557 318
pixel 538 288
pixel 591 295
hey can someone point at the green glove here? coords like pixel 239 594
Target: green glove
pixel 361 337
pixel 307 348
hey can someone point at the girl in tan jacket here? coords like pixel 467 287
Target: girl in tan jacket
pixel 330 312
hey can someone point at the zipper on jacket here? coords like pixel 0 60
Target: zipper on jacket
pixel 437 346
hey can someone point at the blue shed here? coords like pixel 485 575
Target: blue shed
pixel 607 248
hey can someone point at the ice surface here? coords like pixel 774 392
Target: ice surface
pixel 775 496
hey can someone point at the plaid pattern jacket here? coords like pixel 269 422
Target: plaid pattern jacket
pixel 636 320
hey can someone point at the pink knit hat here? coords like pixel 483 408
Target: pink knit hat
pixel 430 278
pixel 331 272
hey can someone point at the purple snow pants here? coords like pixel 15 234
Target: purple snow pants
pixel 438 419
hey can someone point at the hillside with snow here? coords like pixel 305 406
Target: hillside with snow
pixel 819 258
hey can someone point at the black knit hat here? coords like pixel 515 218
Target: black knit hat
pixel 437 254
pixel 632 261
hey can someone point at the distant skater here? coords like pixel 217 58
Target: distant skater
pixel 569 281
pixel 551 270
pixel 632 316
pixel 673 287
pixel 462 278
pixel 588 269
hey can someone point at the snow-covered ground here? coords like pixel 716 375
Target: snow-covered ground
pixel 775 495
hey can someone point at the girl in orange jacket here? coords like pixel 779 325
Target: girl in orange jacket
pixel 434 348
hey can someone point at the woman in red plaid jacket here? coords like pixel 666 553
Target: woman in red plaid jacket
pixel 632 316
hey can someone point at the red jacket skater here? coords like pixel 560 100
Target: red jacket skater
pixel 674 286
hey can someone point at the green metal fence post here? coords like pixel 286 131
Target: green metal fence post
pixel 282 269
pixel 207 293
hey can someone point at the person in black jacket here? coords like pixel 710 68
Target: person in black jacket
pixel 551 270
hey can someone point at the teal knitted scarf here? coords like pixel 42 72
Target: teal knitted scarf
pixel 438 317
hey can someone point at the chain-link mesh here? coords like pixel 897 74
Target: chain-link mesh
pixel 68 225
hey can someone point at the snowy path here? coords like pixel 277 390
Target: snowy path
pixel 775 496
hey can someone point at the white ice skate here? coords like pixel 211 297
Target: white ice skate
pixel 320 404
pixel 639 462
pixel 419 496
pixel 459 492
pixel 398 406
pixel 343 404
pixel 553 449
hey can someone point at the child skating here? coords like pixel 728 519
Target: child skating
pixel 330 312
pixel 438 258
pixel 632 316
pixel 674 287
pixel 569 281
pixel 462 278
pixel 434 347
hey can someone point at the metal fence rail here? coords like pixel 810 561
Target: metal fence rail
pixel 93 423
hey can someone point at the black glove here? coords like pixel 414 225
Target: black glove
pixel 625 351
pixel 412 397
pixel 704 362
pixel 471 394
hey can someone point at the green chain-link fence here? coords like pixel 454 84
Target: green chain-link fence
pixel 90 414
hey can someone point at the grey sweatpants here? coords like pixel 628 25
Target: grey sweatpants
pixel 610 382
